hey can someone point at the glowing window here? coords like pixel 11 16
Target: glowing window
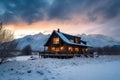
pixel 55 40
pixel 53 48
pixel 86 49
pixel 62 48
pixel 76 49
pixel 70 49
pixel 57 49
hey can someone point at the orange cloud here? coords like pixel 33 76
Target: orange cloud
pixel 76 25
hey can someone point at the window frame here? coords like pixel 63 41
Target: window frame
pixel 56 40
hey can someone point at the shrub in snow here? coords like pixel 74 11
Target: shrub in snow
pixel 73 63
pixel 5 50
pixel 29 71
pixel 49 71
pixel 27 50
pixel 52 77
pixel 20 72
pixel 33 58
pixel 40 72
pixel 11 69
pixel 23 66
pixel 45 78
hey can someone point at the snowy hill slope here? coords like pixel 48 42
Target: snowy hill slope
pixel 35 41
pixel 97 40
pixel 38 40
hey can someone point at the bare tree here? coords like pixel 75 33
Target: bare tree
pixel 5 45
pixel 5 34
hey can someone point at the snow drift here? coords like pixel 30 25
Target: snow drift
pixel 102 68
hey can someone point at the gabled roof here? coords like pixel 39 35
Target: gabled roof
pixel 66 38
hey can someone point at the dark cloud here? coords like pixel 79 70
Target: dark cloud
pixel 93 9
pixel 27 10
pixel 62 9
pixel 107 10
pixel 35 10
pixel 66 8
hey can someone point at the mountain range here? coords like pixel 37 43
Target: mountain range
pixel 37 41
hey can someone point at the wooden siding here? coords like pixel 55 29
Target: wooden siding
pixel 56 48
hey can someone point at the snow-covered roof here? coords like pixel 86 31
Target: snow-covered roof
pixel 66 40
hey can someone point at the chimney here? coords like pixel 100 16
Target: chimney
pixel 58 30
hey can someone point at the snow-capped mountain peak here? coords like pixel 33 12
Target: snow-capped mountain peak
pixel 98 40
pixel 38 40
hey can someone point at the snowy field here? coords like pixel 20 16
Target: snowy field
pixel 22 68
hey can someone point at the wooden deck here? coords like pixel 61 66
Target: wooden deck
pixel 46 55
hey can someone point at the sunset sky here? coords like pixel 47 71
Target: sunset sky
pixel 71 16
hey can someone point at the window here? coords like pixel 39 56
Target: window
pixel 61 48
pixel 76 49
pixel 70 49
pixel 76 40
pixel 57 49
pixel 53 48
pixel 86 49
pixel 55 40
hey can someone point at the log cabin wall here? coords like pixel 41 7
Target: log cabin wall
pixel 65 48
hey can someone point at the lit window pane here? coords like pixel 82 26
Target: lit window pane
pixel 70 48
pixel 55 40
pixel 76 49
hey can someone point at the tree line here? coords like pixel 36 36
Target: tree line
pixel 108 50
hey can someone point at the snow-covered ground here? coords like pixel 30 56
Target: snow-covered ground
pixel 22 68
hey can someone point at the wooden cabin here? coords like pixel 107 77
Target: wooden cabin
pixel 61 43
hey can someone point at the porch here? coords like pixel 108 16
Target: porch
pixel 57 55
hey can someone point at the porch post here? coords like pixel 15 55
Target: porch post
pixel 44 49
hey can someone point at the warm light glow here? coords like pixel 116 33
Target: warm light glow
pixel 57 49
pixel 71 27
pixel 86 49
pixel 76 49
pixel 53 48
pixel 56 40
pixel 70 49
pixel 62 48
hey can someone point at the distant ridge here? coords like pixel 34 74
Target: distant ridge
pixel 38 40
